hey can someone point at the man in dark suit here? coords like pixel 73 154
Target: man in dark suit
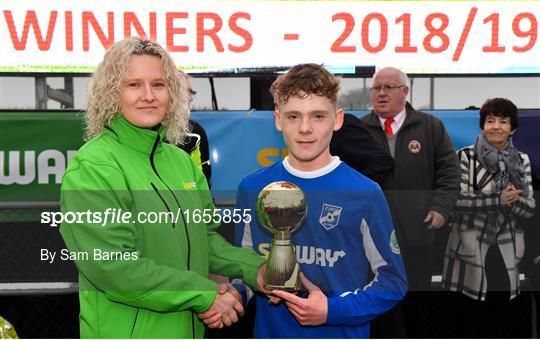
pixel 421 190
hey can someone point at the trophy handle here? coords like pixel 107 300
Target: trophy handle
pixel 281 268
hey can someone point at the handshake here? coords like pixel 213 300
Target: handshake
pixel 228 306
pixel 225 310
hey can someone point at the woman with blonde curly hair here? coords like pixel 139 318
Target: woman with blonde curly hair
pixel 103 94
pixel 139 275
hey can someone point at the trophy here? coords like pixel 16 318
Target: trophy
pixel 281 209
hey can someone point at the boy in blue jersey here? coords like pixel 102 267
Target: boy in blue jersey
pixel 347 231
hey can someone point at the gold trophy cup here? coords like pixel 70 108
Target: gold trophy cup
pixel 281 209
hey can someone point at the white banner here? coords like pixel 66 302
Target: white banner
pixel 228 36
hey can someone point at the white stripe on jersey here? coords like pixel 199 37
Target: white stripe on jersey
pixel 372 253
pixel 247 242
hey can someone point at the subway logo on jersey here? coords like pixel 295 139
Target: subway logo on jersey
pixel 310 255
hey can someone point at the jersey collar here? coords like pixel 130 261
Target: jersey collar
pixel 334 163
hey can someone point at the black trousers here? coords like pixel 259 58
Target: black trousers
pixel 535 285
pixel 497 316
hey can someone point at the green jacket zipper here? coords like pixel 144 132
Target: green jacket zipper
pixel 154 148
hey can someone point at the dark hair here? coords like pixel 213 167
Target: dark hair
pixel 500 107
pixel 306 79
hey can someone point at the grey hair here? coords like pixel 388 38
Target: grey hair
pixel 403 78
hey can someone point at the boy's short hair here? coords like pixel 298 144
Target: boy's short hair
pixel 306 79
pixel 273 89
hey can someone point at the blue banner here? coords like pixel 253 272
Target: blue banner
pixel 527 139
pixel 241 142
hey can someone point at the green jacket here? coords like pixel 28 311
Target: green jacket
pixel 154 279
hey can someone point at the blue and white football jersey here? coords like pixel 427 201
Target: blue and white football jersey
pixel 348 230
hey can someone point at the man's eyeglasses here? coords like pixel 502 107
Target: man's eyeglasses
pixel 386 88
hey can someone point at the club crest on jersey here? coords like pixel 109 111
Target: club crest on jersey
pixel 330 216
pixel 415 146
pixel 394 243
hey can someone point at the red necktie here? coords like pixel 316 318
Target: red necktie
pixel 388 128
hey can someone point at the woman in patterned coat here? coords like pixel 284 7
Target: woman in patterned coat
pixel 486 241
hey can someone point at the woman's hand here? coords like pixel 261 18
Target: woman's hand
pixel 226 308
pixel 509 196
